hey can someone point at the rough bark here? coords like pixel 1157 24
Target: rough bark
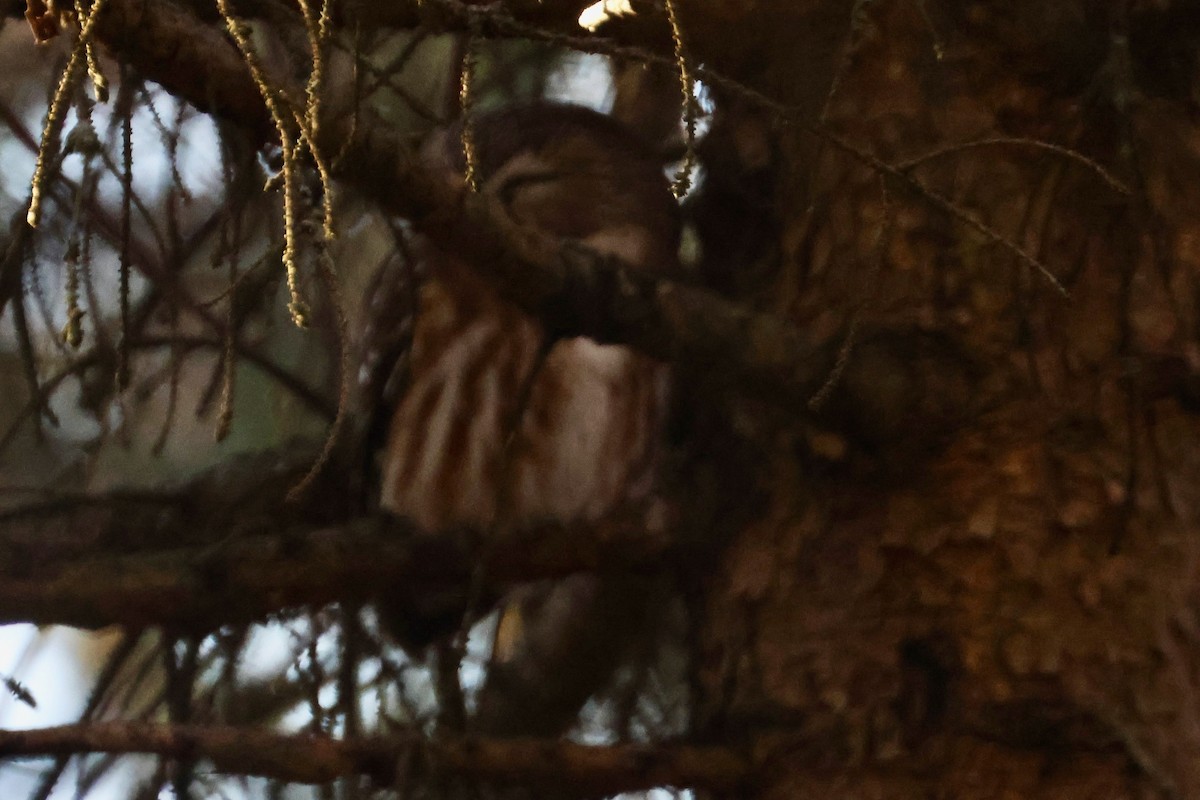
pixel 1010 610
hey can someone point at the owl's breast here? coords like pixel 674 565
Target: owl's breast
pixel 460 451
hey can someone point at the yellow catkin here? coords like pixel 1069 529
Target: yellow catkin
pixel 50 133
pixel 312 89
pixel 317 27
pixel 99 82
pixel 72 332
pixel 466 80
pixel 296 306
pixel 683 178
pixel 57 113
pixel 237 30
pixel 324 173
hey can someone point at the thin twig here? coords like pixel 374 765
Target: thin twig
pixel 1094 167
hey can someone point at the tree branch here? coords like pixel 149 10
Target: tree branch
pixel 313 759
pixel 246 578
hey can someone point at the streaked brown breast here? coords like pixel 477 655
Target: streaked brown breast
pixel 457 453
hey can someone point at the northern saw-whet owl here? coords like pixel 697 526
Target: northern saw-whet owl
pixel 488 434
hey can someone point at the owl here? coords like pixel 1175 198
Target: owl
pixel 498 426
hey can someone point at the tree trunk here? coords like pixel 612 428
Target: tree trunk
pixel 981 580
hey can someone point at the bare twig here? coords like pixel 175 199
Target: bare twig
pixel 303 392
pixel 1112 181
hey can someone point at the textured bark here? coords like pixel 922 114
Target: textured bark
pixel 1010 609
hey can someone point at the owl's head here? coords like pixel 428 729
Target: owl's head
pixel 572 172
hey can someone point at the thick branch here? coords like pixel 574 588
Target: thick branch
pixel 203 586
pixel 226 548
pixel 395 760
pixel 169 45
pixel 578 292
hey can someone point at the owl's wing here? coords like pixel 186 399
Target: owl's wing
pixel 385 340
